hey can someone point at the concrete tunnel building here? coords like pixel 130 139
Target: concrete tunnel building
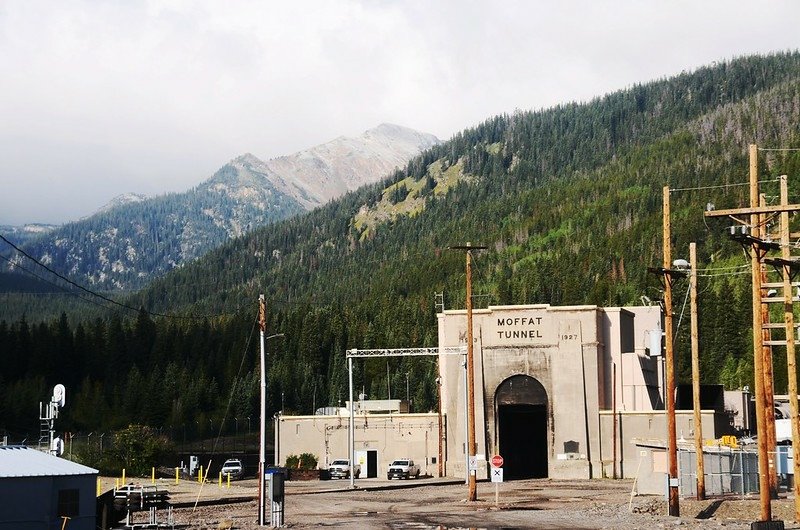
pixel 547 380
pixel 543 375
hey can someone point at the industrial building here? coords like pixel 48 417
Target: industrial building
pixel 39 491
pixel 560 392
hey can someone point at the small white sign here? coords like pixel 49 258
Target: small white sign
pixel 497 474
pixel 473 463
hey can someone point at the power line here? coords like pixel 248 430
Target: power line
pixel 732 273
pixel 236 382
pixel 779 149
pixel 98 295
pixel 62 288
pixel 732 185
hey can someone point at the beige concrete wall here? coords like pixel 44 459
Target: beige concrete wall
pixel 648 429
pixel 557 346
pixel 638 386
pixel 391 435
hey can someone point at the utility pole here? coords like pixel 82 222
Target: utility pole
pixel 788 267
pixel 262 324
pixel 766 345
pixel 668 275
pixel 764 392
pixel 669 392
pixel 758 348
pixel 472 448
pixel 698 421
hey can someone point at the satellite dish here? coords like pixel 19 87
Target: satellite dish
pixel 57 446
pixel 59 395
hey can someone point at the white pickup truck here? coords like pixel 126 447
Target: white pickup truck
pixel 340 468
pixel 402 468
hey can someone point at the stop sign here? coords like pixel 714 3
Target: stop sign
pixel 497 461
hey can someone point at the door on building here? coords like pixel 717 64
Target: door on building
pixel 368 460
pixel 372 464
pixel 522 427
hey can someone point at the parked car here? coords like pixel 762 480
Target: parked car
pixel 340 468
pixel 233 468
pixel 402 468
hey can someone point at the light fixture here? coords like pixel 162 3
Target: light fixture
pixel 680 264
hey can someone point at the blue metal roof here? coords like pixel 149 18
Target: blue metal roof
pixel 21 461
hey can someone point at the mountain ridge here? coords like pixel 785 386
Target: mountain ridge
pixel 133 239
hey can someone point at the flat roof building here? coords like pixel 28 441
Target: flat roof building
pixel 560 392
pixel 542 375
pixel 39 490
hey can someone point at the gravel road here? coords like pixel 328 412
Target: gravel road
pixel 441 504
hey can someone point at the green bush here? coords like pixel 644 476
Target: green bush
pixel 304 461
pixel 138 449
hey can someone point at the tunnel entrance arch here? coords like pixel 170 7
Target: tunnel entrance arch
pixel 522 427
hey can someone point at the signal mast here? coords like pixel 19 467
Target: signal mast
pixel 48 442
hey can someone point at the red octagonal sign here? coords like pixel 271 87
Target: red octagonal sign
pixel 497 461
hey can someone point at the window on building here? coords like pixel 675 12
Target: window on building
pixel 68 502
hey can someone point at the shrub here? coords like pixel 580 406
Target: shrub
pixel 304 461
pixel 137 448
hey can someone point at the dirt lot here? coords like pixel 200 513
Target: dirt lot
pixel 440 504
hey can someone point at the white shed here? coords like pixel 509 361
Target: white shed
pixel 38 490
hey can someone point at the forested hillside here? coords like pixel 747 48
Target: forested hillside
pixel 568 201
pixel 135 239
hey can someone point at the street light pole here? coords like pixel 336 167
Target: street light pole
pixel 262 451
pixel 262 323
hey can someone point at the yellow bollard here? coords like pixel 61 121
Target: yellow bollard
pixel 123 476
pixel 200 475
pixel 220 479
pixel 229 481
pixel 177 475
pixel 116 483
pixel 99 487
pixel 153 475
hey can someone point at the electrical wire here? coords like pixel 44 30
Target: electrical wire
pixel 732 185
pixel 723 274
pixel 102 297
pixel 732 267
pixel 234 387
pixel 680 318
pixel 62 288
pixel 779 149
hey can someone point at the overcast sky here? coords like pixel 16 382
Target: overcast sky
pixel 99 98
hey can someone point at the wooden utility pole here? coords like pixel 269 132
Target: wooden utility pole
pixel 472 446
pixel 473 487
pixel 669 361
pixel 769 378
pixel 698 420
pixel 758 348
pixel 764 392
pixel 791 361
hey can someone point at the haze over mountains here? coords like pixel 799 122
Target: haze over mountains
pixel 134 239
